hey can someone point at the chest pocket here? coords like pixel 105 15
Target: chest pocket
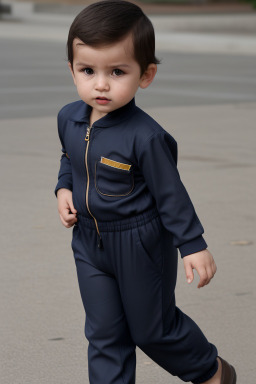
pixel 113 178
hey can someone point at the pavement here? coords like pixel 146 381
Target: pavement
pixel 151 7
pixel 226 33
pixel 42 318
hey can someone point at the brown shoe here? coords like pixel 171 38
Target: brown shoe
pixel 228 374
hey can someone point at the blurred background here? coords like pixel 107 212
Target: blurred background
pixel 204 95
pixel 196 42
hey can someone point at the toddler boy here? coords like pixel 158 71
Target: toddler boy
pixel 120 188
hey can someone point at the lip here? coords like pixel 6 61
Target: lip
pixel 102 100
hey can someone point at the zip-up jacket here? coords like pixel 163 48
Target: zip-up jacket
pixel 123 165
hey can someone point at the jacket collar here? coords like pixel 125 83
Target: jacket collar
pixel 83 111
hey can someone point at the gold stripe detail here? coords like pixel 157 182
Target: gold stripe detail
pixel 67 155
pixel 115 164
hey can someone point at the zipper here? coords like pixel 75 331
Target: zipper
pixel 87 138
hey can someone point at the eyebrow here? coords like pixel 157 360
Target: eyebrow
pixel 120 65
pixel 110 66
pixel 83 65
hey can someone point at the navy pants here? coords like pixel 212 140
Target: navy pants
pixel 127 289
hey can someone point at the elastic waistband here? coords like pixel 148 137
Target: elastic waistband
pixel 120 225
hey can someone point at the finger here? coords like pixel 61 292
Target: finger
pixel 71 206
pixel 71 218
pixel 68 220
pixel 72 222
pixel 67 225
pixel 189 272
pixel 203 277
pixel 63 209
pixel 67 216
pixel 63 221
pixel 214 267
pixel 210 274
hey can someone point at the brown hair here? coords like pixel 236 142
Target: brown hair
pixel 109 21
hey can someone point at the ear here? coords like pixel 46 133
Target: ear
pixel 148 76
pixel 72 72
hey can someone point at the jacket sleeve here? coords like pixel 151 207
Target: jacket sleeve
pixel 65 172
pixel 158 163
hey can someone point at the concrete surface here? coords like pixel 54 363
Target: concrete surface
pixel 218 33
pixel 197 7
pixel 42 317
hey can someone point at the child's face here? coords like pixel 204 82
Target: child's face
pixel 107 77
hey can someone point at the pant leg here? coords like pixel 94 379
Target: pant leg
pixel 111 351
pixel 147 277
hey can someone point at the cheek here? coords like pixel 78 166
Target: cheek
pixel 123 95
pixel 76 78
pixel 82 86
pixel 127 89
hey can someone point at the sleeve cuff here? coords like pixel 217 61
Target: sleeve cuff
pixel 62 185
pixel 196 245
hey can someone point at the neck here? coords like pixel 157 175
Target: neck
pixel 95 116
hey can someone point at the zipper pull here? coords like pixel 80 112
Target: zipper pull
pixel 87 137
pixel 100 244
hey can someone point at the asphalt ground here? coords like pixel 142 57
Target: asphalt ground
pixel 42 318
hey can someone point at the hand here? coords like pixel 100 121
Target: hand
pixel 66 208
pixel 204 264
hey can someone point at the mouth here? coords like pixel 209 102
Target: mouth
pixel 102 100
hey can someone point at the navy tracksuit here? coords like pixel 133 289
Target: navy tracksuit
pixel 133 214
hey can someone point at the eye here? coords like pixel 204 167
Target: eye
pixel 88 71
pixel 117 72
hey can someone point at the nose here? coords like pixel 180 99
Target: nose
pixel 102 83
